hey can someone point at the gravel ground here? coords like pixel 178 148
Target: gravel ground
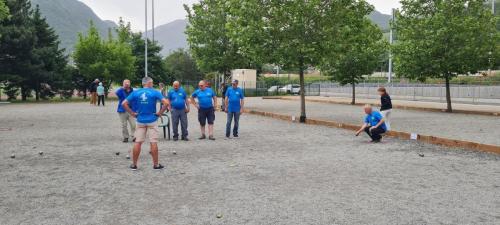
pixel 476 128
pixel 275 173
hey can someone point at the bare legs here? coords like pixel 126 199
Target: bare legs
pixel 137 152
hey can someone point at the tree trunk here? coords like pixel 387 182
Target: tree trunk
pixel 24 96
pixel 37 92
pixel 353 101
pixel 302 94
pixel 448 95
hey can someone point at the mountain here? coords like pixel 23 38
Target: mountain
pixel 70 17
pixel 171 36
pixel 382 20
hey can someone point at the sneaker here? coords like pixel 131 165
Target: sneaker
pixel 211 138
pixel 235 135
pixel 125 140
pixel 133 167
pixel 376 141
pixel 228 136
pixel 185 139
pixel 176 138
pixel 158 167
pixel 203 137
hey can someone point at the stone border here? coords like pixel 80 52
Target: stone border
pixel 472 112
pixel 398 134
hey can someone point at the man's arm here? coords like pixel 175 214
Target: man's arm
pixel 378 124
pixel 242 105
pixel 215 101
pixel 126 106
pixel 361 129
pixel 194 102
pixel 164 107
pixel 187 105
pixel 226 103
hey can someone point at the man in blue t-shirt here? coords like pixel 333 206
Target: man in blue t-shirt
pixel 207 102
pixel 374 124
pixel 179 107
pixel 125 117
pixel 145 100
pixel 234 107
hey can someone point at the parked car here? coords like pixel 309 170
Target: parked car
pixel 273 90
pixel 290 89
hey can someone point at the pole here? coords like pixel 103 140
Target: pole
pixel 146 39
pixel 153 38
pixel 391 40
pixel 493 7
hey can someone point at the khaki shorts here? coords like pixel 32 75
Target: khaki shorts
pixel 142 129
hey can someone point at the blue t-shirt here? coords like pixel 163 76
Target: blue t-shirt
pixel 122 94
pixel 145 102
pixel 204 98
pixel 234 96
pixel 374 118
pixel 177 98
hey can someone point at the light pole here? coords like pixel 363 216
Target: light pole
pixel 146 39
pixel 153 15
pixel 391 40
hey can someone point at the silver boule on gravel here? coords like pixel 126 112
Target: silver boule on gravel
pixel 12 156
pixel 174 152
pixel 219 216
pixel 128 157
pixel 421 154
pixel 40 153
pixel 117 153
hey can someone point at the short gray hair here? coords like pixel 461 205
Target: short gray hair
pixel 146 80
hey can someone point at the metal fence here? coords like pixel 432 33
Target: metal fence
pixel 475 94
pixel 472 94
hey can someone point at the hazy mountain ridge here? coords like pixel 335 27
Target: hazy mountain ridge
pixel 70 17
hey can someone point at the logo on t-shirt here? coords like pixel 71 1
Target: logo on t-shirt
pixel 143 97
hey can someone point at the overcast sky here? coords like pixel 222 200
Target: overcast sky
pixel 170 10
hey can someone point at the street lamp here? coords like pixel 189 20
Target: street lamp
pixel 146 39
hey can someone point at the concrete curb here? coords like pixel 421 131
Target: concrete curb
pixel 398 134
pixel 472 112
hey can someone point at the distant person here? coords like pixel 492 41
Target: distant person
pixel 223 89
pixel 179 108
pixel 125 118
pixel 100 94
pixel 145 100
pixel 234 103
pixel 385 106
pixel 373 125
pixel 93 92
pixel 163 89
pixel 207 102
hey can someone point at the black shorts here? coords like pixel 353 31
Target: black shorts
pixel 206 116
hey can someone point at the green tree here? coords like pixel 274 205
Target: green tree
pixel 4 10
pixel 209 40
pixel 156 69
pixel 181 66
pixel 16 44
pixel 362 50
pixel 442 39
pixel 293 34
pixel 48 60
pixel 89 55
pixel 109 60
